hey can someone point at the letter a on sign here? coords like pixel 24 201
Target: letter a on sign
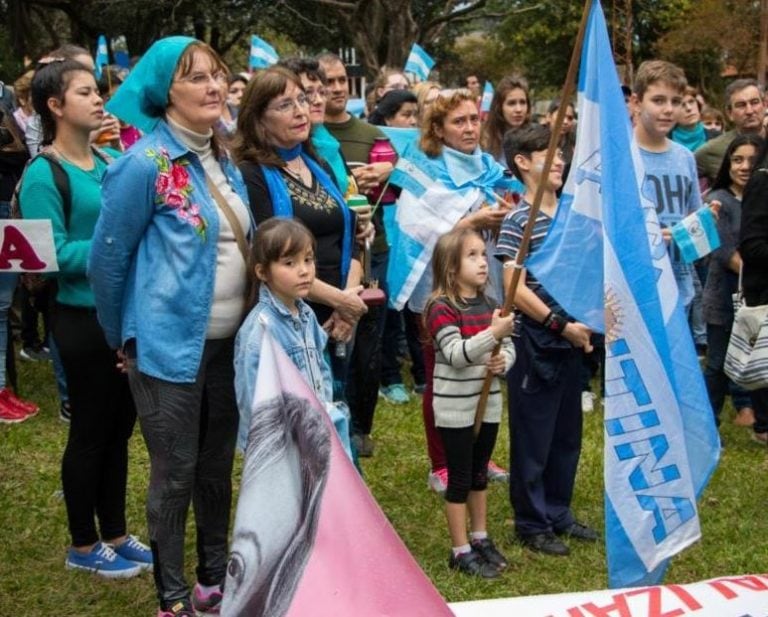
pixel 27 246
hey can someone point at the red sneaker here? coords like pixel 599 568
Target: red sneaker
pixel 10 400
pixel 11 415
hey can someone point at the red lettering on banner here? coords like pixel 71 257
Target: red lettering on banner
pixel 17 247
pixel 752 583
pixel 686 597
pixel 619 608
pixel 654 602
pixel 575 612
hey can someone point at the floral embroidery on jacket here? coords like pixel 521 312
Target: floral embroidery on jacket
pixel 173 188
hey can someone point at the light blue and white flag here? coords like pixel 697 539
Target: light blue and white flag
pixel 262 54
pixel 426 209
pixel 485 102
pixel 606 263
pixel 696 235
pixel 419 62
pixel 102 55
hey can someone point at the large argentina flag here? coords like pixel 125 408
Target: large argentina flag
pixel 606 263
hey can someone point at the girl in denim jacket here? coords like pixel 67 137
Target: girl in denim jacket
pixel 282 262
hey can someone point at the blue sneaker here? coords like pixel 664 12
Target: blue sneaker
pixel 395 394
pixel 102 560
pixel 135 551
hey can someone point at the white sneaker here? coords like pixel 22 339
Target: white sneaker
pixel 587 402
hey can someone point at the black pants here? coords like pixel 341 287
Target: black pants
pixel 95 463
pixel 467 459
pixel 365 371
pixel 545 423
pixel 718 383
pixel 34 305
pixel 190 431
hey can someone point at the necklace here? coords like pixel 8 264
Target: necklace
pixel 95 172
pixel 298 174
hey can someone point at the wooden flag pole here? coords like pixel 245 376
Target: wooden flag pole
pixel 522 252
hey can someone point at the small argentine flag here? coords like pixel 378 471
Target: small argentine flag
pixel 485 102
pixel 419 63
pixel 102 55
pixel 696 235
pixel 262 54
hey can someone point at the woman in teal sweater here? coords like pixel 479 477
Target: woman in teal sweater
pixel 95 462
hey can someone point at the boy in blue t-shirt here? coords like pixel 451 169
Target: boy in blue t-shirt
pixel 671 181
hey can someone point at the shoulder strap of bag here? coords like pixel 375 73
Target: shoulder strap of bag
pixel 233 221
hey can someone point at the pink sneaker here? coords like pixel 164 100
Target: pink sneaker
pixel 206 603
pixel 11 415
pixel 10 400
pixel 438 480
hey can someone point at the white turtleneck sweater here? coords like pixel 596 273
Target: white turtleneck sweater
pixel 229 287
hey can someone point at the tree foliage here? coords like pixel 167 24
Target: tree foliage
pixel 711 36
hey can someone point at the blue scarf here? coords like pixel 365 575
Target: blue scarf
pixel 477 170
pixel 282 205
pixel 691 138
pixel 329 149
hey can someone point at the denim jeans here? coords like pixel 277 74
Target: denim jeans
pixel 7 286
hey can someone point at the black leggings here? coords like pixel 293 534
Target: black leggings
pixel 467 459
pixel 95 463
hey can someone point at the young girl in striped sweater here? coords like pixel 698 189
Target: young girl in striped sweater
pixel 465 326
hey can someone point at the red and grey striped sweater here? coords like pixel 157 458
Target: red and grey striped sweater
pixel 463 342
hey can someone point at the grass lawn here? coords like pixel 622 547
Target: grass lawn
pixel 33 581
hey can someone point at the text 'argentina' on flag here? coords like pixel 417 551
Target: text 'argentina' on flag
pixel 419 62
pixel 262 54
pixel 606 263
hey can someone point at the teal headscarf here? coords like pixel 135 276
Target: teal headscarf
pixel 142 98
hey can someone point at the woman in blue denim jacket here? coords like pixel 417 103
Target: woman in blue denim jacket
pixel 168 272
pixel 281 245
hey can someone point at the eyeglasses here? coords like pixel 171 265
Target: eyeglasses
pixel 199 80
pixel 287 106
pixel 313 95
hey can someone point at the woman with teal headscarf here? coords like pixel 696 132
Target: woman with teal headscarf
pixel 168 272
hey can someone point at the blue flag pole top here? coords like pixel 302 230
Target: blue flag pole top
pixel 262 54
pixel 419 62
pixel 102 56
pixel 606 263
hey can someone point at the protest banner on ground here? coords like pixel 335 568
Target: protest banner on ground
pixel 731 596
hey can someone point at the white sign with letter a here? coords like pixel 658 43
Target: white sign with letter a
pixel 27 246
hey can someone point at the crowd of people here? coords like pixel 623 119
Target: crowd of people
pixel 192 208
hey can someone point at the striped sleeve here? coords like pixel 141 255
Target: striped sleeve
pixel 511 235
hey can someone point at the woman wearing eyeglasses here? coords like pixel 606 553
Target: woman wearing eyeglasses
pixel 167 268
pixel 285 177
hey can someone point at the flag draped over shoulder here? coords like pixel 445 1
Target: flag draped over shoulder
pixel 262 54
pixel 309 539
pixel 426 209
pixel 419 62
pixel 606 263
